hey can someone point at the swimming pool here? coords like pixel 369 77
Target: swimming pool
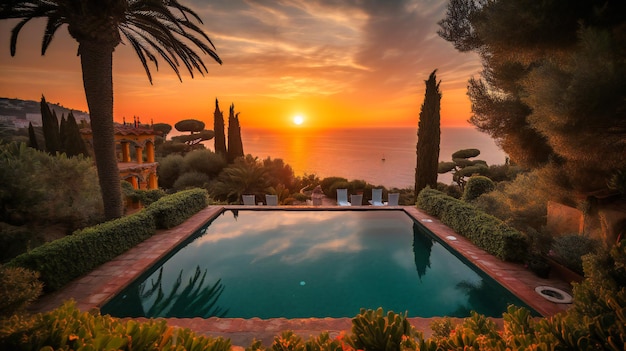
pixel 299 264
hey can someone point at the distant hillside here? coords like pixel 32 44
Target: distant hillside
pixel 20 108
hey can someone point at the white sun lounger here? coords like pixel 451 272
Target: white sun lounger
pixel 377 197
pixel 342 197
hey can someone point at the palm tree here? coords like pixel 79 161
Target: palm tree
pixel 151 27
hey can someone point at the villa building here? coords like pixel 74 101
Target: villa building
pixel 136 165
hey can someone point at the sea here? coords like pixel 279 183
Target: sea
pixel 381 156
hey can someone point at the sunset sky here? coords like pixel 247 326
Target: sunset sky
pixel 334 63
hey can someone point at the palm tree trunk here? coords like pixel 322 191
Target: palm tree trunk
pixel 97 65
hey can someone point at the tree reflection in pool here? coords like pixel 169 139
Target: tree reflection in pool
pixel 301 264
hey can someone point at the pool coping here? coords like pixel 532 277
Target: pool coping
pixel 96 288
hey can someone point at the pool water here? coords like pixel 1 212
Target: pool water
pixel 301 264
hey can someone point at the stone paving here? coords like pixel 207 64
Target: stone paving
pixel 96 288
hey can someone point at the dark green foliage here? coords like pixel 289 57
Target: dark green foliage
pixel 73 143
pixel 476 186
pixel 162 129
pixel 461 166
pixel 191 179
pixel 246 176
pixel 168 148
pixel 67 328
pixel 485 231
pixel 450 190
pixel 520 203
pixel 19 287
pixel 218 127
pixel 32 138
pixel 144 196
pixel 65 259
pixel 428 136
pixel 194 139
pixel 505 172
pixel 48 189
pixel 235 144
pixel 204 161
pixel 569 250
pixel 169 170
pixel 15 240
pixel 189 125
pixel 327 182
pixel 552 88
pixel 50 128
pixel 280 173
pixel 174 209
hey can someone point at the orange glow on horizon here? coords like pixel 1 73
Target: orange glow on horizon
pixel 336 71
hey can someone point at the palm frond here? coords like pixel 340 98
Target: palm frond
pixel 51 27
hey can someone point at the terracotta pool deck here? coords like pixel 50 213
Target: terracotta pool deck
pixel 99 286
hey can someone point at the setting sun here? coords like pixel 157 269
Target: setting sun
pixel 298 120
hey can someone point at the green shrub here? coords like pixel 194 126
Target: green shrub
pixel 331 192
pixel 287 341
pixel 40 188
pixel 300 197
pixel 169 170
pixel 519 203
pixel 476 186
pixel 203 161
pixel 450 190
pixel 442 327
pixel 67 328
pixel 485 231
pixel 172 210
pixel 147 197
pixel 68 258
pixel 15 240
pixel 372 331
pixel 570 248
pixel 327 182
pixel 191 180
pixel 19 287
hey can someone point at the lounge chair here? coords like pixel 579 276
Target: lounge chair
pixel 356 200
pixel 342 197
pixel 248 200
pixel 393 199
pixel 271 200
pixel 377 197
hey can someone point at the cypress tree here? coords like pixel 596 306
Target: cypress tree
pixel 50 124
pixel 218 128
pixel 428 137
pixel 32 138
pixel 74 144
pixel 235 145
pixel 62 133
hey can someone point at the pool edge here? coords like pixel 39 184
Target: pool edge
pixel 96 288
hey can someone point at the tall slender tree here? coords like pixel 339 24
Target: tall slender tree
pixel 73 143
pixel 428 136
pixel 218 128
pixel 51 131
pixel 152 28
pixel 32 137
pixel 235 144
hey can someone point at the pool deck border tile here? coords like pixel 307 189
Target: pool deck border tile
pixel 96 288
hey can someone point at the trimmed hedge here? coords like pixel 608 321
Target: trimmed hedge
pixel 65 259
pixel 170 211
pixel 485 231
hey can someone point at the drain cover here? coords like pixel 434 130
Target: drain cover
pixel 554 294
